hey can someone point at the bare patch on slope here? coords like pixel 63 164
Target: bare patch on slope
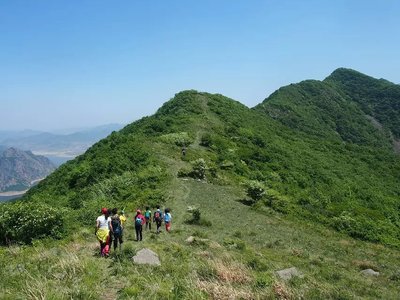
pixel 379 126
pixel 375 122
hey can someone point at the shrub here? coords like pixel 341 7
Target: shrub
pixel 277 202
pixel 23 222
pixel 255 190
pixel 184 172
pixel 206 140
pixel 179 138
pixel 196 215
pixel 197 219
pixel 345 222
pixel 199 168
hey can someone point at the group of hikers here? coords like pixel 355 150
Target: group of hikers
pixel 110 226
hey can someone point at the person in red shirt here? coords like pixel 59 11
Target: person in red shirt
pixel 139 222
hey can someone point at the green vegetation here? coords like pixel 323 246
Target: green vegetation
pixel 255 190
pixel 377 98
pixel 320 171
pixel 25 222
pixel 197 219
pixel 237 257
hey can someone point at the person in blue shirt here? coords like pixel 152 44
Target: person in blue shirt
pixel 167 219
pixel 147 216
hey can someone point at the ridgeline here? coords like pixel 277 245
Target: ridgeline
pixel 324 152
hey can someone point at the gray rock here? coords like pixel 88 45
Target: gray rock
pixel 287 274
pixel 369 272
pixel 190 239
pixel 146 256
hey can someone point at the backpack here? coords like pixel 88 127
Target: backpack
pixel 147 214
pixel 138 221
pixel 116 225
pixel 157 216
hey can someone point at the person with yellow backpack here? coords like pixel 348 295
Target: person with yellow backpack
pixel 102 232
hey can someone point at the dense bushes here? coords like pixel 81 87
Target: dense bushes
pixel 23 222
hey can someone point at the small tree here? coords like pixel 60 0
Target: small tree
pixel 196 215
pixel 199 168
pixel 255 190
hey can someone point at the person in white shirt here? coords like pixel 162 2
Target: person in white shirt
pixel 103 232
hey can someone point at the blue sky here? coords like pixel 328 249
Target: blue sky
pixel 82 63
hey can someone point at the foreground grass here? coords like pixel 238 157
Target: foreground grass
pixel 235 258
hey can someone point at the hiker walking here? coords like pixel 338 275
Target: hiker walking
pixel 157 218
pixel 147 216
pixel 167 219
pixel 116 229
pixel 139 221
pixel 183 151
pixel 102 232
pixel 122 218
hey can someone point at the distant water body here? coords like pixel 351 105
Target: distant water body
pixel 58 160
pixel 8 198
pixel 13 195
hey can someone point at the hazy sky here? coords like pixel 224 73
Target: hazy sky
pixel 81 63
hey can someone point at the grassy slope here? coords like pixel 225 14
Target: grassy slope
pixel 239 260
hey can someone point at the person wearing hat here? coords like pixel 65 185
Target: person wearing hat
pixel 102 232
pixel 139 222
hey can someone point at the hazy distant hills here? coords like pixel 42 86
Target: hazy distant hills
pixel 18 169
pixel 51 144
pixel 16 134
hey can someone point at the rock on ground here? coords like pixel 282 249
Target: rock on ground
pixel 190 239
pixel 146 256
pixel 287 274
pixel 369 272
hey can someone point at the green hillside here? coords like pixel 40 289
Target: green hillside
pixel 377 98
pixel 325 164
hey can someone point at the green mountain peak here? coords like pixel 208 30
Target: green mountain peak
pixel 308 178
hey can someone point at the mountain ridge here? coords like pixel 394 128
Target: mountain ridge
pixel 18 169
pixel 330 204
pixel 294 141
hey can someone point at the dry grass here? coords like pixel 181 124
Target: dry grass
pixel 297 252
pixel 346 243
pixel 205 254
pixel 14 250
pixel 223 291
pixel 214 245
pixel 232 272
pixel 365 264
pixel 281 291
pixel 35 289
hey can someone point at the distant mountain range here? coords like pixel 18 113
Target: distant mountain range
pixel 56 145
pixel 20 169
